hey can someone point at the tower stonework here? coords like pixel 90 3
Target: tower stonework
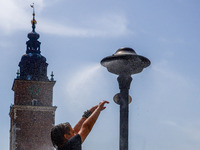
pixel 32 115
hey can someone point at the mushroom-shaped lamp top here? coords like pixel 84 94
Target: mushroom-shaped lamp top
pixel 125 62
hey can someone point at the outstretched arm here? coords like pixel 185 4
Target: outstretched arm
pixel 77 127
pixel 89 122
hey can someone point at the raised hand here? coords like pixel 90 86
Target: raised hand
pixel 101 105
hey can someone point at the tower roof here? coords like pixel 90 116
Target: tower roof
pixel 33 65
pixel 33 45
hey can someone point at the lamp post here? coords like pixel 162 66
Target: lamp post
pixel 124 63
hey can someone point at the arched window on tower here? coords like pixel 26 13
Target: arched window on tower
pixel 34 102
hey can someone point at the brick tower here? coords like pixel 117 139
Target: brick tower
pixel 32 115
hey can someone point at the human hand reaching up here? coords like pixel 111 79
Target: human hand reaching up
pixel 101 105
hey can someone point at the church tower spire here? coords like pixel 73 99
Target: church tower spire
pixel 33 65
pixel 33 45
pixel 32 115
pixel 33 22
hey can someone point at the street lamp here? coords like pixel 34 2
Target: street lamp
pixel 124 63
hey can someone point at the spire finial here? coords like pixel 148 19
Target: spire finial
pixel 52 79
pixel 18 74
pixel 33 22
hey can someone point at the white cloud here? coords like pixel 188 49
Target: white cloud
pixel 163 71
pixel 103 26
pixel 189 129
pixel 173 40
pixel 170 123
pixel 14 14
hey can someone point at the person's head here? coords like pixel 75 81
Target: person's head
pixel 61 133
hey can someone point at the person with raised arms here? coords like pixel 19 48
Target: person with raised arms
pixel 64 137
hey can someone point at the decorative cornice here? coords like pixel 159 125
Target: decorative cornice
pixel 33 108
pixel 30 81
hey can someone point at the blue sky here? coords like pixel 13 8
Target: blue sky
pixel 77 34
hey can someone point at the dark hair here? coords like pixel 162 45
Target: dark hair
pixel 57 134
